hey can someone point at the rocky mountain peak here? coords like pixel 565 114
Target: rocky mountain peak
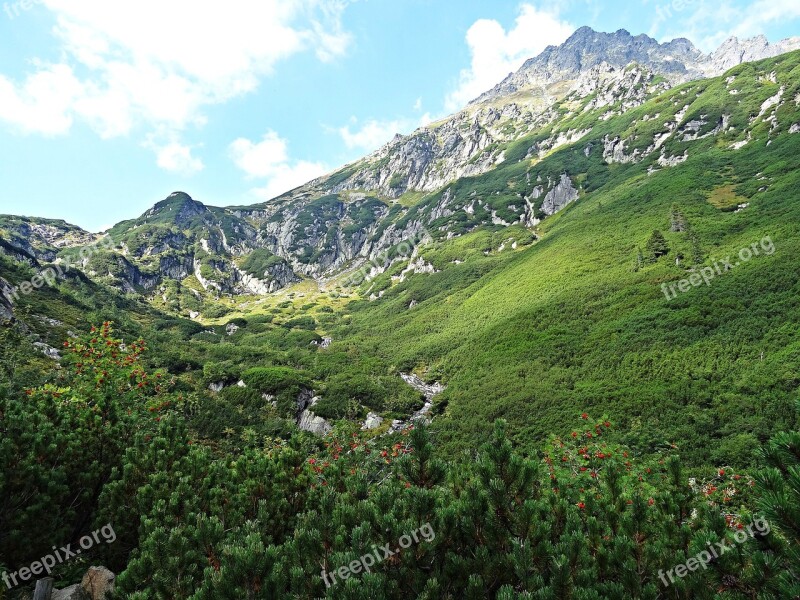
pixel 734 51
pixel 178 207
pixel 587 48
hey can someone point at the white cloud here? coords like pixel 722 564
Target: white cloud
pixel 177 158
pixel 259 159
pixel 497 52
pixel 156 65
pixel 269 159
pixel 171 154
pixel 42 104
pixel 374 133
pixel 288 177
pixel 708 24
pixel 418 104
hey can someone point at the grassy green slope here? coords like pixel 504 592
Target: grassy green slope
pixel 569 324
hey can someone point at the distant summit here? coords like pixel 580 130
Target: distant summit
pixel 178 207
pixel 734 51
pixel 679 60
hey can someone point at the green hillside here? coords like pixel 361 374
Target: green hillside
pixel 579 321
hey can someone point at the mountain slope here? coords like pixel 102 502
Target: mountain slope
pixel 525 101
pixel 579 322
pixel 537 290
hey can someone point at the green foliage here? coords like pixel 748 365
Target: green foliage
pixel 396 181
pixel 587 520
pixel 61 440
pixel 304 322
pixel 656 246
pixel 779 483
pixel 273 379
pixel 260 261
pixel 216 311
pixel 238 512
pixel 284 383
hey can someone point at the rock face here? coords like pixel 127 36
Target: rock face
pixel 373 421
pixel 43 238
pixel 312 423
pixel 324 343
pixel 467 142
pixel 6 308
pixel 48 351
pixel 561 195
pixel 734 51
pixel 679 60
pixel 306 419
pixel 433 156
pixel 429 390
pixel 274 278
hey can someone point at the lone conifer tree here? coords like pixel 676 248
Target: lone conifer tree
pixel 656 246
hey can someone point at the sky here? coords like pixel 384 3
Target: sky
pixel 107 106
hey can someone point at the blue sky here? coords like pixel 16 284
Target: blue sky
pixel 107 107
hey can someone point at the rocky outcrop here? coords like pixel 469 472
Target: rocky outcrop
pixel 428 390
pixel 98 583
pixel 611 69
pixel 306 419
pixel 127 276
pixel 433 156
pixel 6 306
pixel 734 51
pixel 373 421
pixel 672 161
pixel 324 343
pixel 43 238
pixel 47 350
pixel 73 592
pixel 562 194
pixel 679 60
pixel 279 276
pixel 312 423
pixel 606 85
pixel 586 49
pixel 614 151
